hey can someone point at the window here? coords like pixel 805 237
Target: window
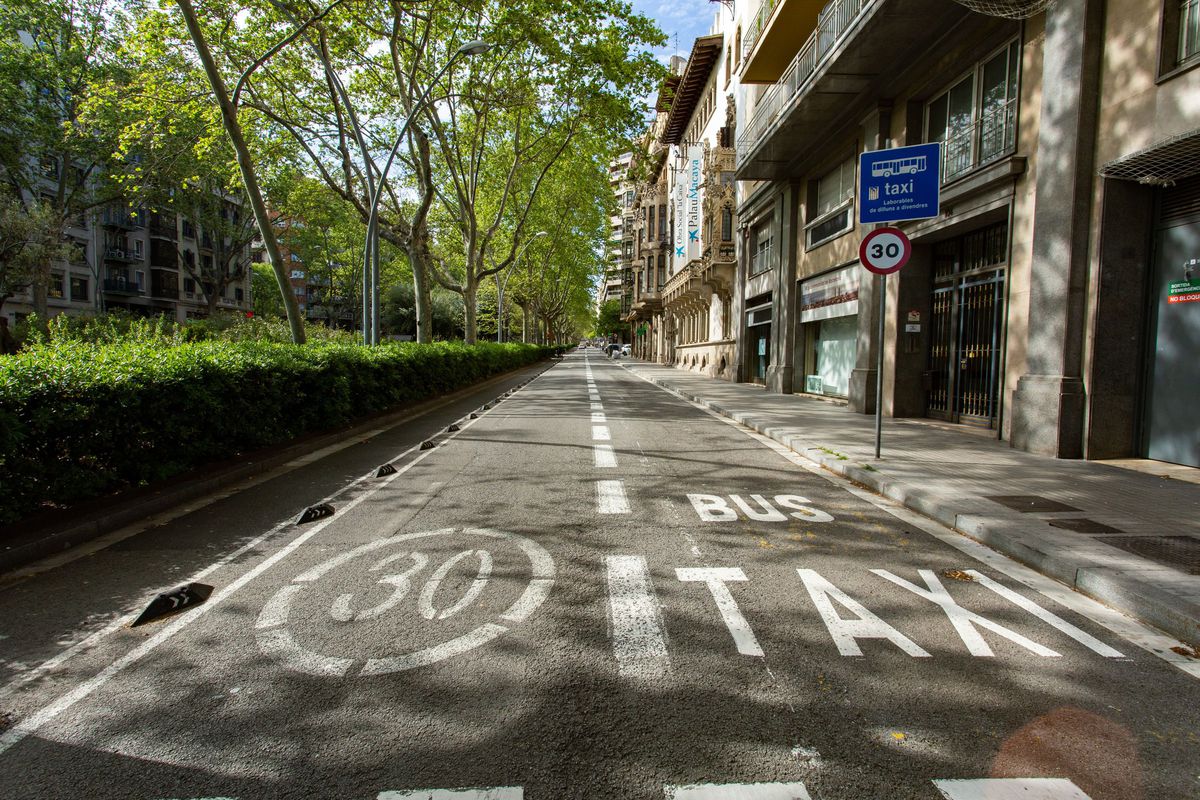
pixel 137 248
pixel 1189 30
pixel 56 288
pixel 651 222
pixel 189 230
pixel 1180 40
pixel 832 208
pixel 662 269
pixel 189 286
pixel 762 242
pixel 975 120
pixel 49 167
pixel 662 220
pixel 239 295
pixel 629 199
pixel 79 289
pixel 726 225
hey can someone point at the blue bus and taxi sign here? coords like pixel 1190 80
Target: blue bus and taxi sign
pixel 899 184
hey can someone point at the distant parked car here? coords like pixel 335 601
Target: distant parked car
pixel 626 350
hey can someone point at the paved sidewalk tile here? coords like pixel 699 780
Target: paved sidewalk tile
pixel 1133 542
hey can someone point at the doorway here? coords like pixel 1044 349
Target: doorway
pixel 963 369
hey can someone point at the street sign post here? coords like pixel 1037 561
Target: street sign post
pixel 899 184
pixel 894 185
pixel 885 250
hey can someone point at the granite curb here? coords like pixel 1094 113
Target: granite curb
pixel 1115 588
pixel 136 505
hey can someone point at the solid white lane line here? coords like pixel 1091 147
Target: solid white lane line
pixel 490 793
pixel 600 433
pixel 604 456
pixel 610 497
pixel 1010 789
pixel 639 644
pixel 738 791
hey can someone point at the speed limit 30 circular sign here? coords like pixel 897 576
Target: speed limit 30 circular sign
pixel 885 250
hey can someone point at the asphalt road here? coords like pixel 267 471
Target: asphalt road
pixel 592 590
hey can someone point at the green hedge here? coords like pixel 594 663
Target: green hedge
pixel 79 419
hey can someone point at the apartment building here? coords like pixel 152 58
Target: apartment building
pixel 620 251
pixel 685 217
pixel 137 261
pixel 1051 301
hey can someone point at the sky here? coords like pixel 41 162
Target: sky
pixel 686 19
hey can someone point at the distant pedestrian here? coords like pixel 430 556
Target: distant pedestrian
pixel 8 345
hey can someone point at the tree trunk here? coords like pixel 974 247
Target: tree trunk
pixel 422 299
pixel 246 165
pixel 39 290
pixel 470 295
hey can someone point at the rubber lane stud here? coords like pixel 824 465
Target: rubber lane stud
pixel 314 513
pixel 428 444
pixel 385 470
pixel 173 602
pixel 474 415
pixel 453 428
pixel 486 407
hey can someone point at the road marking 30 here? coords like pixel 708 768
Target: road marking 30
pixel 398 571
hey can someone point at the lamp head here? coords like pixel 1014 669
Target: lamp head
pixel 474 48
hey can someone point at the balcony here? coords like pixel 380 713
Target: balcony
pixel 120 218
pixel 850 56
pixel 776 32
pixel 122 286
pixel 164 291
pixel 163 230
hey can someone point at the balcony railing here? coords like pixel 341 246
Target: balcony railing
pixel 757 26
pixel 119 218
pixel 122 286
pixel 990 136
pixel 834 22
pixel 165 292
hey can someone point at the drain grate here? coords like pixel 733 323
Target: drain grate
pixel 1181 552
pixel 1031 503
pixel 1082 525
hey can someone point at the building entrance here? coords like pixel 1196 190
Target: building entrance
pixel 758 338
pixel 1173 383
pixel 963 377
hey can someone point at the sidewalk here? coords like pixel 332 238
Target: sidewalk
pixel 1129 539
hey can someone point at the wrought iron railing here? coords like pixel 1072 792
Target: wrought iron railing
pixel 988 137
pixel 833 24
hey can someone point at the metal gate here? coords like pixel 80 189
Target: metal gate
pixel 965 330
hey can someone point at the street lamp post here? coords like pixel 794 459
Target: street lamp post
pixel 501 328
pixel 371 250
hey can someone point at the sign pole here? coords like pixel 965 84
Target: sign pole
pixel 881 287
